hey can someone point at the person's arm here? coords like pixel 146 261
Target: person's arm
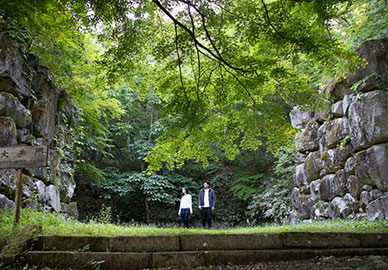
pixel 214 200
pixel 199 200
pixel 180 207
pixel 191 204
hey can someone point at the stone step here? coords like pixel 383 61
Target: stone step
pixel 206 242
pixel 137 260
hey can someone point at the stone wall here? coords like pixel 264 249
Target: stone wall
pixel 35 111
pixel 343 148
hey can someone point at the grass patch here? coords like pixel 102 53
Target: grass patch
pixel 54 223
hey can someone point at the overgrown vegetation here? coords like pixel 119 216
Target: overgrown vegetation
pixel 53 223
pixel 165 87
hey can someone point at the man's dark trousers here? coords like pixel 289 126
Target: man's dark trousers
pixel 206 214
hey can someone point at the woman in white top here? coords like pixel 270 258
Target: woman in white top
pixel 185 207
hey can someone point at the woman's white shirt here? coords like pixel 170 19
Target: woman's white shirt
pixel 186 202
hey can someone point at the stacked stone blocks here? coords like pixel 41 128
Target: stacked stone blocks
pixel 343 148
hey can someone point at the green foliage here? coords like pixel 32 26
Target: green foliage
pixel 244 184
pixel 272 202
pixel 56 224
pixel 105 215
pixel 86 173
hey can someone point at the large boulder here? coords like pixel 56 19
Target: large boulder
pixel 309 140
pixel 336 130
pixel 375 53
pixel 54 198
pixel 303 205
pixel 353 185
pixel 337 109
pixel 368 120
pixel 11 67
pixel 299 118
pixel 300 176
pixel 6 203
pixel 378 209
pixel 313 166
pixel 334 159
pixel 321 210
pixel 371 166
pixel 12 107
pixel 332 185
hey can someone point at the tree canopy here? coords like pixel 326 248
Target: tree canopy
pixel 223 73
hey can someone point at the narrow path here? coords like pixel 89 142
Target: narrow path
pixel 323 263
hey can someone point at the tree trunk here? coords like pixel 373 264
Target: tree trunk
pixel 148 212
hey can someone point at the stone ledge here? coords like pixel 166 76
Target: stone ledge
pixel 120 260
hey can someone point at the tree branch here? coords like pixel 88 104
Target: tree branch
pixel 192 35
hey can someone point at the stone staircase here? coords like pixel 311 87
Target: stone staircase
pixel 138 252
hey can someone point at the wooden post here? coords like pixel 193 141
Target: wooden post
pixel 18 197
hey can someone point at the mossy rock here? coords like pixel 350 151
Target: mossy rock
pixel 19 244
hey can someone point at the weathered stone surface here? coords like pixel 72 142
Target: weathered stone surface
pixel 317 239
pixel 90 260
pixel 368 120
pixel 313 166
pixel 300 157
pixel 309 139
pixel 300 118
pixel 349 166
pixel 53 112
pixel 365 197
pixel 8 180
pixel 374 239
pixel 54 198
pixel 314 189
pixel 8 134
pixel 369 83
pixel 337 89
pixel 19 244
pixel 336 130
pixel 334 159
pixel 11 67
pixel 353 185
pixel 5 203
pixel 337 109
pixel 12 107
pixel 294 194
pixel 321 210
pixel 230 242
pixel 41 191
pixel 71 209
pixel 375 52
pixel 375 194
pixel 352 143
pixel 300 176
pixel 348 99
pixel 367 187
pixel 378 209
pixel 332 185
pixel 303 204
pixel 25 137
pixel 341 207
pixel 371 166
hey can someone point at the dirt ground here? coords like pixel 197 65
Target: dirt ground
pixel 322 263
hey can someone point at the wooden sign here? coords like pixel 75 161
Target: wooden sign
pixel 20 157
pixel 23 157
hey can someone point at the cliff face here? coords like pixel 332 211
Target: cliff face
pixel 343 149
pixel 35 111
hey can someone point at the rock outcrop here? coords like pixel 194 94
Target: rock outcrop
pixel 35 111
pixel 343 149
